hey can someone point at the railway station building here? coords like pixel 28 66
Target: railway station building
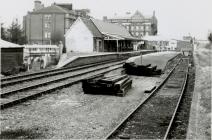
pixel 93 35
pixel 137 24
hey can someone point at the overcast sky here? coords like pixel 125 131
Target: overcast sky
pixel 175 17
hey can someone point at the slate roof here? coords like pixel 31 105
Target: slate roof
pixel 92 27
pixel 53 9
pixel 111 29
pixel 100 29
pixel 6 44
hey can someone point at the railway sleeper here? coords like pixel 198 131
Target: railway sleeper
pixel 141 70
pixel 112 85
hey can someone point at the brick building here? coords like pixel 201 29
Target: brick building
pixel 137 24
pixel 47 25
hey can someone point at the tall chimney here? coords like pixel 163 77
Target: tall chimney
pixel 154 13
pixel 37 5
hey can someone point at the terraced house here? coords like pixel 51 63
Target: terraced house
pixel 47 25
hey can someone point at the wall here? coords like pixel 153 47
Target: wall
pixel 10 58
pixel 84 60
pixel 183 45
pixel 58 29
pixel 79 38
pixel 34 26
pixel 173 44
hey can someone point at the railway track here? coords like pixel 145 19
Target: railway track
pixel 153 118
pixel 17 79
pixel 34 81
pixel 10 97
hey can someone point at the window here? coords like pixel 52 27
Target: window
pixel 132 28
pixel 137 27
pixel 137 33
pixel 142 27
pixel 143 33
pixel 47 17
pixel 34 49
pixel 47 25
pixel 47 35
pixel 147 27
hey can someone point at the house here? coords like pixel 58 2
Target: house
pixel 11 55
pixel 137 24
pixel 93 35
pixel 47 25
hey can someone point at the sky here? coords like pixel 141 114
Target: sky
pixel 176 18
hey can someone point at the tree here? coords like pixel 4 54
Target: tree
pixel 4 33
pixel 16 34
pixel 210 37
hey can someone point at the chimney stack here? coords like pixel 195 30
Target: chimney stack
pixel 154 13
pixel 37 5
pixel 104 18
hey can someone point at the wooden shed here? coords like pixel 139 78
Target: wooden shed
pixel 11 55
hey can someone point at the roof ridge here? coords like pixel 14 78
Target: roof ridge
pixel 62 8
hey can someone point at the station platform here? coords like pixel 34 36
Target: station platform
pixel 158 59
pixel 200 115
pixel 71 56
pixel 78 59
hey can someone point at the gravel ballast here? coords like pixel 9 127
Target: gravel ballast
pixel 69 113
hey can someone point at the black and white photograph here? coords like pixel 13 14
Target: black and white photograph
pixel 106 69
